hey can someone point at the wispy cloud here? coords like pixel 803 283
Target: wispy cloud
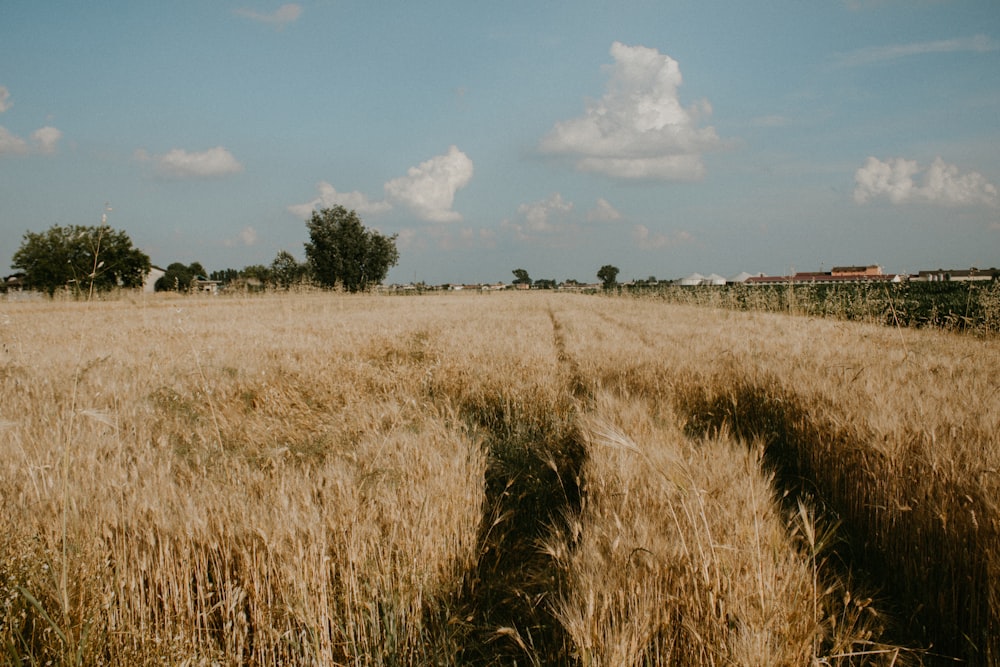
pixel 247 237
pixel 647 239
pixel 773 120
pixel 603 211
pixel 538 215
pixel 329 197
pixel 428 190
pixel 547 218
pixel 446 237
pixel 45 139
pixel 182 164
pixel 879 54
pixel 11 144
pixel 639 129
pixel 282 16
pixel 862 5
pixel 942 183
pixel 42 141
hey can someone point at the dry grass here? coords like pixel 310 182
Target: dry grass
pixel 686 559
pixel 892 432
pixel 489 479
pixel 259 482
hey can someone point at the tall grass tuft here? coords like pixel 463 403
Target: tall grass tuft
pixel 685 558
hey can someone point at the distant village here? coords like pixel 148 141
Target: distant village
pixel 838 274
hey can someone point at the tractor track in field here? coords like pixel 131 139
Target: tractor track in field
pixel 534 488
pixel 575 380
pixel 788 432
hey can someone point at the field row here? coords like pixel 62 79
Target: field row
pixel 492 479
pixel 961 306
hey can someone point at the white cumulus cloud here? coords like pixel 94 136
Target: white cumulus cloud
pixel 179 163
pixel 282 16
pixel 329 197
pixel 429 188
pixel 43 141
pixel 903 181
pixel 639 129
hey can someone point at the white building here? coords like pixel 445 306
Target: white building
pixel 155 273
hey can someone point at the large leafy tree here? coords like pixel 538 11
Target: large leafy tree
pixel 342 251
pixel 608 274
pixel 521 277
pixel 83 259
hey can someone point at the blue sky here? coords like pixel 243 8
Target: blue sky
pixel 661 137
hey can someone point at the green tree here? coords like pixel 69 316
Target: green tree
pixel 179 278
pixel 198 270
pixel 80 258
pixel 608 274
pixel 258 271
pixel 521 277
pixel 341 251
pixel 225 276
pixel 286 270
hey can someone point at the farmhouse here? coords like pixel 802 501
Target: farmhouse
pixel 155 273
pixel 839 274
pixel 205 286
pixel 13 282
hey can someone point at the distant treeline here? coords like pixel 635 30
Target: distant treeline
pixel 958 306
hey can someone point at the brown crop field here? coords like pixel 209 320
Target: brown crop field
pixel 530 478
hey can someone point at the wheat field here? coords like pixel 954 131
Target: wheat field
pixel 512 478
